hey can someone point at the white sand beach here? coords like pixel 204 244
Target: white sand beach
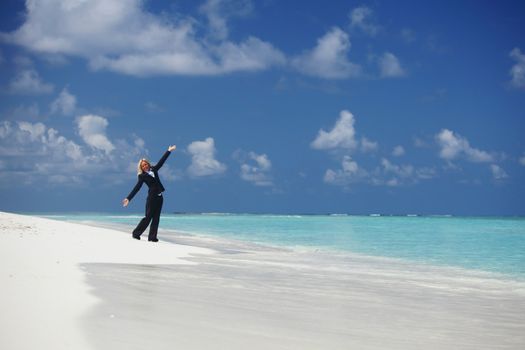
pixel 71 286
pixel 44 293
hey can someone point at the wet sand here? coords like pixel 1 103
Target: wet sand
pixel 254 297
pixel 71 286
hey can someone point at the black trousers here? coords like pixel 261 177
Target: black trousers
pixel 153 209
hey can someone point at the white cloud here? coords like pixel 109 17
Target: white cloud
pixel 341 136
pixel 33 131
pixel 368 146
pixel 329 58
pixel 219 12
pixel 258 173
pixel 28 82
pixel 36 139
pixel 454 146
pixel 402 174
pixel 121 36
pixel 251 55
pixel 393 182
pixel 152 107
pixel 65 103
pixel 517 72
pixel 425 173
pixel 349 173
pixel 398 151
pixel 5 129
pixel 522 160
pixel 360 18
pixel 37 153
pixel 139 142
pixel 92 129
pixel 419 142
pixel 497 172
pixel 389 66
pixel 404 171
pixel 388 174
pixel 203 162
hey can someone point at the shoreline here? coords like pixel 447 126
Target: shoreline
pixel 94 287
pixel 202 239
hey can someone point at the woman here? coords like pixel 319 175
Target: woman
pixel 149 174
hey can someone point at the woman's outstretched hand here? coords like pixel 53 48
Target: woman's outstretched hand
pixel 125 202
pixel 172 148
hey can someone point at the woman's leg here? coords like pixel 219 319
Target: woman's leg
pixel 157 208
pixel 143 224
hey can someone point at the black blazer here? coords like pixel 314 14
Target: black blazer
pixel 154 184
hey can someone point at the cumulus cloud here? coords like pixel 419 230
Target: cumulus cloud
pixel 517 72
pixel 219 12
pixel 392 174
pixel 329 58
pixel 454 146
pixel 368 146
pixel 497 172
pixel 419 142
pixel 122 36
pixel 362 19
pixel 28 82
pixel 203 162
pixel 342 138
pixel 403 171
pixel 37 153
pixel 398 151
pixel 342 134
pixel 251 55
pixel 256 169
pixel 350 172
pixel 389 66
pixel 65 103
pixel 92 129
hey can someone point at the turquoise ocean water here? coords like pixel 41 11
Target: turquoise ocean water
pixel 489 244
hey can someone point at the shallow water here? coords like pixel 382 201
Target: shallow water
pixel 247 296
pixel 489 244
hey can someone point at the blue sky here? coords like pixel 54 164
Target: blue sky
pixel 275 106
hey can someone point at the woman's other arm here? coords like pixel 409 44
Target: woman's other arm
pixel 164 157
pixel 133 192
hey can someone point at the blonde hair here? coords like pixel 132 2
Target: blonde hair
pixel 139 168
